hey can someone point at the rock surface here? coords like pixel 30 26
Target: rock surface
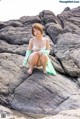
pixel 41 95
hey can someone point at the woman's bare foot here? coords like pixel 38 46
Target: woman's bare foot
pixel 29 71
pixel 44 71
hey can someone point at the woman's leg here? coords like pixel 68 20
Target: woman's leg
pixel 43 61
pixel 33 61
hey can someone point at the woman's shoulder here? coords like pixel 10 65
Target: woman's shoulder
pixel 46 39
pixel 32 39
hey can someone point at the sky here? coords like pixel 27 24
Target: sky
pixel 14 9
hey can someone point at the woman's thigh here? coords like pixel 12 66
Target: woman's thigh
pixel 39 63
pixel 43 58
pixel 33 57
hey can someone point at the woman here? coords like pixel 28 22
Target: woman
pixel 38 49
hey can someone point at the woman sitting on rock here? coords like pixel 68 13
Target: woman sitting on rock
pixel 38 51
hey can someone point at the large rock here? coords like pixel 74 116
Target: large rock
pixel 13 49
pixel 67 49
pixel 53 30
pixel 52 24
pixel 73 16
pixel 48 16
pixel 45 94
pixel 16 35
pixel 28 20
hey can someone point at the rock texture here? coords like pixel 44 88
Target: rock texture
pixel 41 95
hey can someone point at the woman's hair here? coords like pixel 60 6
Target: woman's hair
pixel 37 26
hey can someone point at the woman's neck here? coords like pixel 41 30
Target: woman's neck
pixel 39 37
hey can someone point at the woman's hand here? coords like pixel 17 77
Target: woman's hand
pixel 39 53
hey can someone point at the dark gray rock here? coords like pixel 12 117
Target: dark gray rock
pixel 66 9
pixel 43 94
pixel 13 49
pixel 14 23
pixel 16 35
pixel 2 24
pixel 47 16
pixel 78 81
pixel 28 20
pixel 53 30
pixel 73 16
pixel 67 50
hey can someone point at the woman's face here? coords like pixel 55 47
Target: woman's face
pixel 37 32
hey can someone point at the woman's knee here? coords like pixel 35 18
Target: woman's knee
pixel 33 57
pixel 43 59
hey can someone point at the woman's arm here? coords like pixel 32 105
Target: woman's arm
pixel 47 51
pixel 28 52
pixel 30 44
pixel 47 44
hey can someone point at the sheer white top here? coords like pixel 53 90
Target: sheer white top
pixel 39 44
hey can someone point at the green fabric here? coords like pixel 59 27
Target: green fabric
pixel 45 52
pixel 28 52
pixel 49 67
